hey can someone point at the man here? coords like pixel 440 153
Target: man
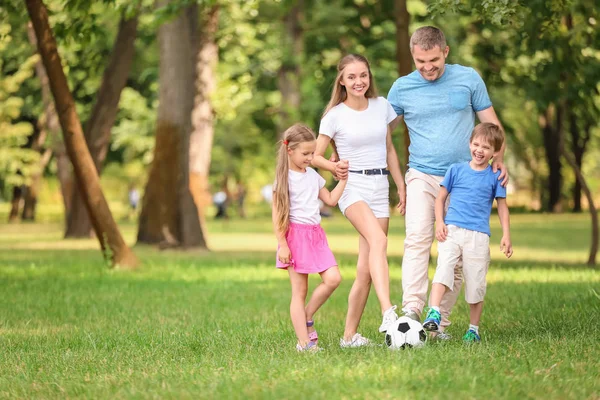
pixel 438 102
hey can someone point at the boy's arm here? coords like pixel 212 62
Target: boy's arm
pixel 284 251
pixel 395 171
pixel 332 198
pixel 441 231
pixel 503 214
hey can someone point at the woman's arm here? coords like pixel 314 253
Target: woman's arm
pixel 394 167
pixel 339 168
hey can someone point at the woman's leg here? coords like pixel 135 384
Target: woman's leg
pixel 331 280
pixel 368 226
pixel 298 315
pixel 362 285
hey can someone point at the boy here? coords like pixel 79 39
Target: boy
pixel 465 231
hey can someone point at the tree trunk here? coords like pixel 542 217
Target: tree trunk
pixel 551 136
pixel 15 204
pixel 31 193
pixel 169 215
pixel 112 243
pixel 595 237
pixel 288 76
pixel 202 135
pixel 97 129
pixel 50 123
pixel 403 57
pixel 578 146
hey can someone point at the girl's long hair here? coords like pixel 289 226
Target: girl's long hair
pixel 339 93
pixel 293 136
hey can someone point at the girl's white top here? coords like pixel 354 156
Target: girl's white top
pixel 304 190
pixel 360 136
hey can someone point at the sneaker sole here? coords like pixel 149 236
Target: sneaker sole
pixel 431 326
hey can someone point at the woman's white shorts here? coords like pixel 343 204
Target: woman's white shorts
pixel 372 189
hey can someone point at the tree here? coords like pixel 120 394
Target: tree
pixel 169 214
pixel 403 55
pixel 111 241
pixel 98 127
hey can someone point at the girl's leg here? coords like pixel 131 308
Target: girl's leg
pixel 475 312
pixel 362 285
pixel 331 280
pixel 299 288
pixel 357 299
pixel 360 215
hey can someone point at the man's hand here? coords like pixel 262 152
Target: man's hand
pixel 499 165
pixel 441 231
pixel 506 246
pixel 402 200
pixel 284 254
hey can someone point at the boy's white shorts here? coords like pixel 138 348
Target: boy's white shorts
pixel 372 189
pixel 474 247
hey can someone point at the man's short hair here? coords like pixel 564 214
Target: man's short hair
pixel 427 37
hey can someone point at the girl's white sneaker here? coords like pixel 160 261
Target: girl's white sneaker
pixel 357 340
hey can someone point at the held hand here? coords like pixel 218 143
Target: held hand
pixel 341 169
pixel 402 199
pixel 284 254
pixel 503 178
pixel 506 246
pixel 441 232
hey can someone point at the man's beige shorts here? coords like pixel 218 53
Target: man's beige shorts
pixel 474 247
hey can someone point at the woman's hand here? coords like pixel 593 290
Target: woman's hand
pixel 402 199
pixel 341 169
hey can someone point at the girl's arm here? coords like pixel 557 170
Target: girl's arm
pixel 394 167
pixel 441 231
pixel 284 251
pixel 503 214
pixel 339 168
pixel 332 198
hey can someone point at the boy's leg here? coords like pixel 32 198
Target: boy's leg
pixel 476 258
pixel 421 191
pixel 297 313
pixel 331 279
pixel 449 254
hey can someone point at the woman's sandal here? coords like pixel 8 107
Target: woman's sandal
pixel 312 336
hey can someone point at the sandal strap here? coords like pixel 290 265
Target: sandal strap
pixel 310 323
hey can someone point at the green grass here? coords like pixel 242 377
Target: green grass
pixel 216 325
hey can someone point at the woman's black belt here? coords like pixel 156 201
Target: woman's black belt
pixel 374 171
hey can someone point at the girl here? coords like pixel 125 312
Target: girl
pixel 359 122
pixel 302 245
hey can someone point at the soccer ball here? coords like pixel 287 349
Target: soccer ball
pixel 405 333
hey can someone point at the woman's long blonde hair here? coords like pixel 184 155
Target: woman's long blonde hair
pixel 339 93
pixel 292 137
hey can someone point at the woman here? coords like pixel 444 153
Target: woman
pixel 359 123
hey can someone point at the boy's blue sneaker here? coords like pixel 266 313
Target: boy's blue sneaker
pixel 432 320
pixel 471 337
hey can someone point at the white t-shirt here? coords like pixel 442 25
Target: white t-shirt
pixel 360 136
pixel 304 190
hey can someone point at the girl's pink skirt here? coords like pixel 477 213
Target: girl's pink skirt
pixel 309 248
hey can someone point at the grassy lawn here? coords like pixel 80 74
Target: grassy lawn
pixel 216 325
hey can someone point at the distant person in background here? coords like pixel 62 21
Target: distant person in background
pixel 241 199
pixel 134 199
pixel 220 201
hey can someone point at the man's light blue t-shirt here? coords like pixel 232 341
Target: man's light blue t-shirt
pixel 471 196
pixel 440 115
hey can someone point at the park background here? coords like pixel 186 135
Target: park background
pixel 182 99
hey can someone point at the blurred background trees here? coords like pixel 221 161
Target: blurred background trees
pixel 254 67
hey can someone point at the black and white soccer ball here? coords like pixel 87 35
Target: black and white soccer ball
pixel 405 333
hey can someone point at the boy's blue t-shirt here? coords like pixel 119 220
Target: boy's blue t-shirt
pixel 440 115
pixel 471 196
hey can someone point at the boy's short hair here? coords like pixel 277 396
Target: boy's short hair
pixel 427 37
pixel 491 133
